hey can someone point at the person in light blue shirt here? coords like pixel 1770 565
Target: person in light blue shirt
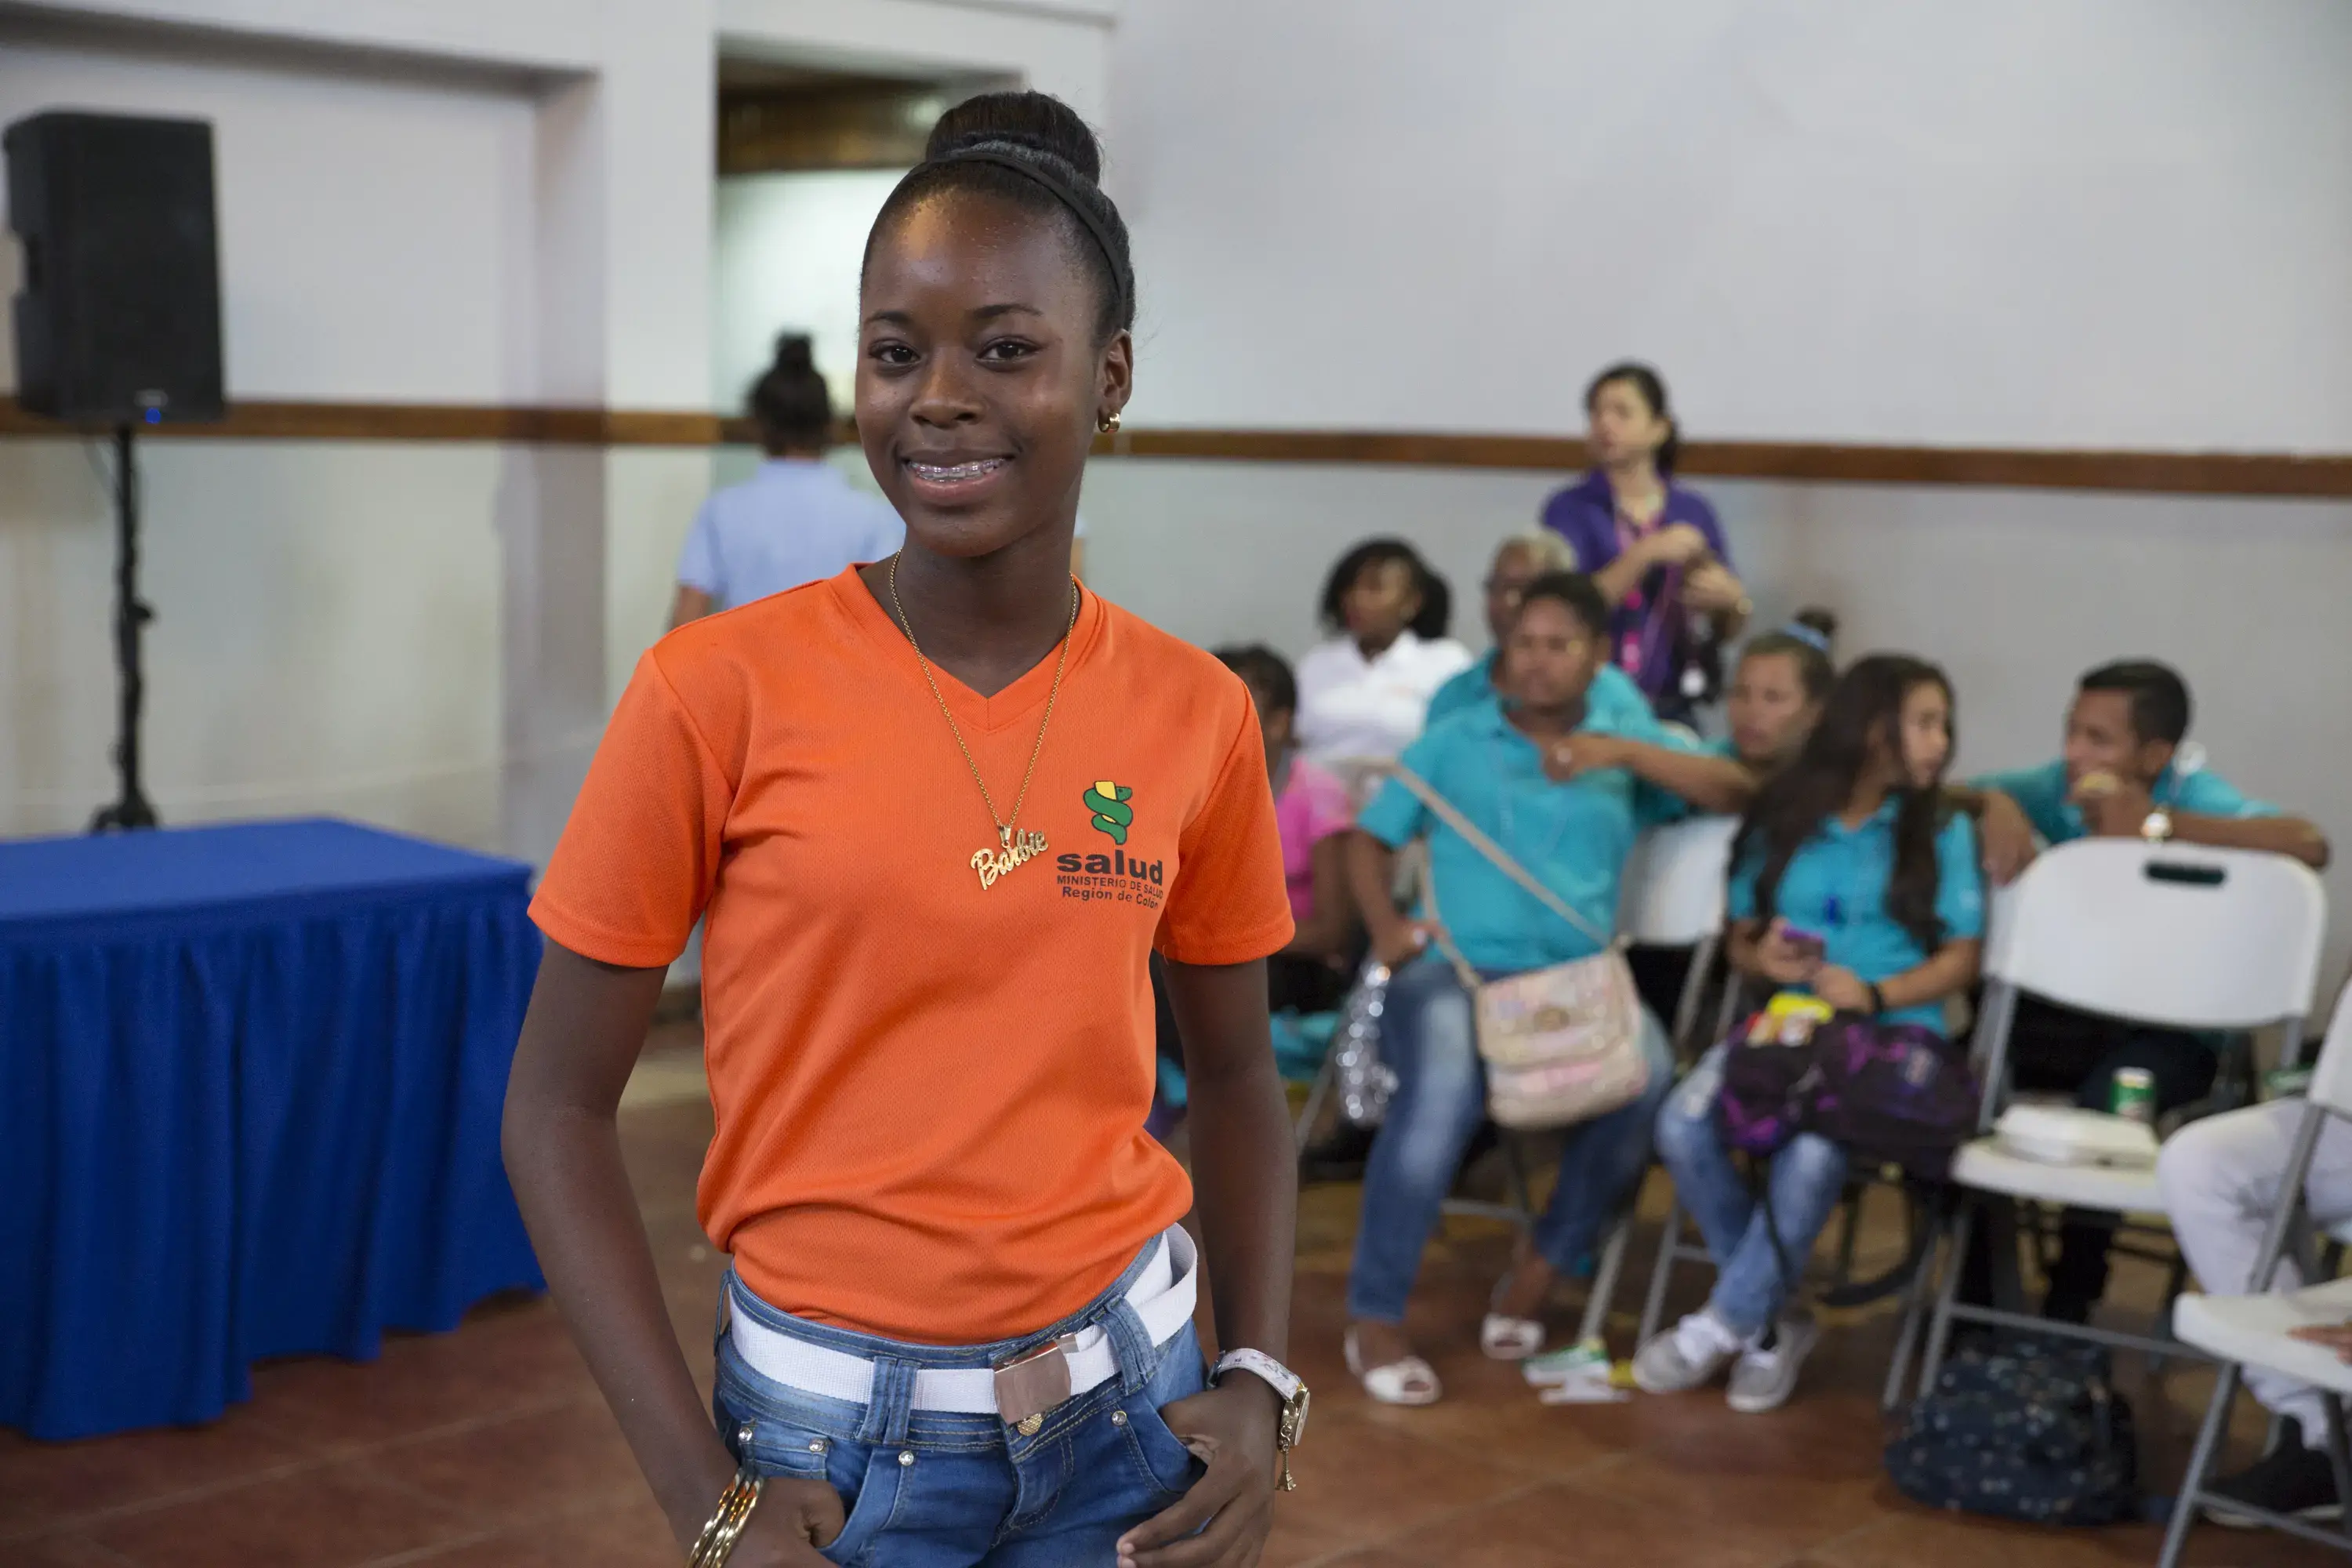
pixel 1519 561
pixel 1854 880
pixel 1563 790
pixel 796 520
pixel 2123 774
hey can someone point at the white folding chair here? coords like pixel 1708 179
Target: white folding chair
pixel 2175 936
pixel 1673 894
pixel 2253 1328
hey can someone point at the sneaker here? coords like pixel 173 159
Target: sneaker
pixel 2290 1479
pixel 1766 1372
pixel 1687 1356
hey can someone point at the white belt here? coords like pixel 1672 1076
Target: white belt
pixel 1162 1296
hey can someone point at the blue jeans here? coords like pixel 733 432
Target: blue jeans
pixel 1429 1035
pixel 1807 1179
pixel 935 1489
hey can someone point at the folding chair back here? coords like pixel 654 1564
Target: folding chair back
pixel 2186 937
pixel 1673 888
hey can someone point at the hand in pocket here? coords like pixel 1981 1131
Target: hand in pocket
pixel 793 1519
pixel 1233 1428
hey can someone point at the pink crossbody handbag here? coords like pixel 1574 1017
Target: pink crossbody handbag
pixel 1561 1045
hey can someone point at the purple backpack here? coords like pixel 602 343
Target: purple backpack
pixel 1888 1094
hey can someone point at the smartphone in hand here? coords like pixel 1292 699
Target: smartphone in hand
pixel 1808 944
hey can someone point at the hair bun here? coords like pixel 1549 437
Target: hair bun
pixel 1818 619
pixel 1037 120
pixel 795 354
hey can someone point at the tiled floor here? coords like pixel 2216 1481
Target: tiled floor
pixel 490 1448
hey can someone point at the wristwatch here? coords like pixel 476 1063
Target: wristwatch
pixel 2157 827
pixel 1286 1385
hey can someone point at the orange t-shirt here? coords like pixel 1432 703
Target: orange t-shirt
pixel 930 1094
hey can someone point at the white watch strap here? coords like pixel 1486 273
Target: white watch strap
pixel 1283 1381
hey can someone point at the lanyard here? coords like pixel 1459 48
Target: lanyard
pixel 1640 649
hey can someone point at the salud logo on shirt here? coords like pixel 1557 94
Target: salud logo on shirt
pixel 1115 877
pixel 1113 815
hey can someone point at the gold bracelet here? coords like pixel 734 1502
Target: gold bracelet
pixel 717 1542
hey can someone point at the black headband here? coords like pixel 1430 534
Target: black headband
pixel 1063 192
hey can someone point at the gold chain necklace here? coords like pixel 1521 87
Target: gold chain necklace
pixel 1012 849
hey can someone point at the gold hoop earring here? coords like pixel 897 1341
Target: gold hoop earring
pixel 1108 422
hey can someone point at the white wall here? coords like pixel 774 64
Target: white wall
pixel 1061 47
pixel 327 636
pixel 374 223
pixel 2077 223
pixel 329 621
pixel 786 253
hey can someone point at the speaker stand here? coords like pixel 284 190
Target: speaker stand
pixel 130 809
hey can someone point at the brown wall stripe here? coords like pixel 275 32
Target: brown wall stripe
pixel 2177 473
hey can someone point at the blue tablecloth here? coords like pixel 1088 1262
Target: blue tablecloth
pixel 250 1081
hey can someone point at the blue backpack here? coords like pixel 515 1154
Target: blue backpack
pixel 2022 1429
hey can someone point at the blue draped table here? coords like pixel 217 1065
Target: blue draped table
pixel 250 1081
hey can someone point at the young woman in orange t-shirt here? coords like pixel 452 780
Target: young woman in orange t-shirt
pixel 936 812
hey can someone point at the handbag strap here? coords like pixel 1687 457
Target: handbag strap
pixel 1447 812
pixel 1428 870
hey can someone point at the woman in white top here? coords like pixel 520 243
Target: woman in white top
pixel 1364 692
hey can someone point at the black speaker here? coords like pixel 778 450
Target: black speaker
pixel 118 318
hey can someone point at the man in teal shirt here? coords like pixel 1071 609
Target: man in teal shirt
pixel 1519 561
pixel 2119 777
pixel 1563 789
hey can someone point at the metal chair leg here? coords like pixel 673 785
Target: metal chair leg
pixel 1604 1284
pixel 1914 1317
pixel 1653 1306
pixel 2175 1281
pixel 2208 1439
pixel 1850 1231
pixel 1940 1338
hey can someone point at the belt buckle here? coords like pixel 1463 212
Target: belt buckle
pixel 1029 1385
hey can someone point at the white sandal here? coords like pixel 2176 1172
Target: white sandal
pixel 1505 1338
pixel 1509 1339
pixel 1410 1381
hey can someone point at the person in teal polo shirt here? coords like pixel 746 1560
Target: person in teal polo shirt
pixel 2120 776
pixel 1519 561
pixel 1853 880
pixel 1564 790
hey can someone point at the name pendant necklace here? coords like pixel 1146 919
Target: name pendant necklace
pixel 1013 848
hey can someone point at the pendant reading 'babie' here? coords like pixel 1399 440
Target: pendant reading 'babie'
pixel 1018 849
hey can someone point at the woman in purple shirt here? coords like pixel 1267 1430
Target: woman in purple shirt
pixel 1652 546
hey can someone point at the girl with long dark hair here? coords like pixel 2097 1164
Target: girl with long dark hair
pixel 1854 880
pixel 941 810
pixel 1652 544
